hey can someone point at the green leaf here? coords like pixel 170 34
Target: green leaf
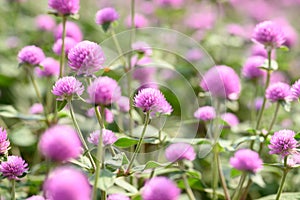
pixel 283 196
pixel 245 139
pixel 106 26
pixel 273 67
pixel 284 48
pixel 61 105
pixel 150 165
pixel 22 137
pixel 193 173
pixel 125 142
pixel 10 112
pixel 194 183
pixel 234 173
pixel 124 184
pixel 196 141
pixel 106 179
pixel 286 105
pixel 277 165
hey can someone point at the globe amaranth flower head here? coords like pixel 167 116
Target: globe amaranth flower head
pixel 106 15
pixel 72 31
pixel 222 82
pixel 65 7
pixel 4 142
pixel 246 160
pixel 104 91
pixel 108 137
pixel 283 143
pixel 67 183
pixel 48 67
pixel 31 55
pixel 69 44
pixel 14 168
pixel 152 100
pixel 140 21
pixel 160 187
pixel 45 22
pixel 205 113
pixel 268 34
pixel 60 143
pixel 231 119
pixel 66 87
pixel 278 92
pixel 123 104
pixel 86 57
pixel 117 197
pixel 295 90
pixel 36 197
pixel 142 47
pixel 36 108
pixel 180 151
pixel 251 69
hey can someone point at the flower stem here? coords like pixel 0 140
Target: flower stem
pixel 285 172
pixel 13 189
pixel 222 179
pixel 239 188
pixel 274 117
pixel 186 183
pixel 62 53
pixel 120 52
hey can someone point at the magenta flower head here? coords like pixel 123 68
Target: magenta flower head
pixel 117 197
pixel 194 55
pixel 36 197
pixel 31 55
pixel 109 116
pixel 251 69
pixel 142 48
pixel 205 113
pixel 123 104
pixel 295 90
pixel 65 7
pixel 180 151
pixel 72 31
pixel 231 119
pixel 45 23
pixel 4 142
pixel 246 160
pixel 14 168
pixel 69 44
pixel 106 15
pixel 160 187
pixel 268 34
pixel 108 137
pixel 222 82
pixel 258 103
pixel 278 92
pixel 60 143
pixel 49 67
pixel 86 57
pixel 150 99
pixel 66 87
pixel 104 91
pixel 283 143
pixel 67 183
pixel 36 108
pixel 139 21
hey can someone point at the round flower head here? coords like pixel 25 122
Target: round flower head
pixel 142 47
pixel 246 160
pixel 160 188
pixel 36 197
pixel 295 90
pixel 180 151
pixel 231 119
pixel 294 159
pixel 86 57
pixel 49 67
pixel 13 168
pixel 72 31
pixel 268 34
pixel 106 15
pixel 104 91
pixel 66 87
pixel 203 20
pixel 65 7
pixel 67 183
pixel 109 116
pixel 139 21
pixel 117 197
pixel 108 137
pixel 4 143
pixel 222 82
pixel 60 143
pixel 144 74
pixel 194 55
pixel 283 143
pixel 278 92
pixel 36 108
pixel 251 68
pixel 32 55
pixel 123 104
pixel 278 76
pixel 45 22
pixel 205 113
pixel 69 44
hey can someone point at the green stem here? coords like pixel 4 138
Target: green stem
pixel 274 117
pixel 215 173
pixel 245 193
pixel 13 189
pixel 239 188
pixel 222 179
pixel 285 172
pixel 117 44
pixel 186 183
pixel 62 53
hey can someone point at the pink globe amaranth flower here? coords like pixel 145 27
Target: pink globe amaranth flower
pixel 180 151
pixel 31 55
pixel 69 44
pixel 72 31
pixel 36 108
pixel 194 55
pixel 150 99
pixel 205 113
pixel 108 137
pixel 142 47
pixel 4 142
pixel 268 34
pixel 239 30
pixel 258 103
pixel 12 42
pixel 49 67
pixel 222 82
pixel 293 159
pixel 160 188
pixel 251 68
pixel 246 160
pixel 291 35
pixel 142 72
pixel 278 92
pixel 139 21
pixel 67 183
pixel 36 197
pixel 106 15
pixel 86 58
pixel 109 116
pixel 13 168
pixel 60 143
pixel 123 104
pixel 283 143
pixel 66 87
pixel 104 91
pixel 295 90
pixel 170 3
pixel 231 119
pixel 201 20
pixel 45 22
pixel 65 7
pixel 117 197
pixel 278 76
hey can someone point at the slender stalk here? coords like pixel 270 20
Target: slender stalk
pixel 285 172
pixel 239 188
pixel 132 35
pixel 222 179
pixel 119 49
pixel 13 189
pixel 274 117
pixel 245 193
pixel 188 189
pixel 62 53
pixel 215 173
pixel 253 109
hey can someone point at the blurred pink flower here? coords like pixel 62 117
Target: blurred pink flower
pixel 36 108
pixel 45 22
pixel 72 31
pixel 48 67
pixel 140 21
pixel 69 44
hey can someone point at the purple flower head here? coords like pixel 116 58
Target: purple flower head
pixel 295 90
pixel 45 22
pixel 69 44
pixel 291 35
pixel 201 20
pixel 246 160
pixel 278 92
pixel 32 55
pixel 4 142
pixel 108 137
pixel 65 7
pixel 86 57
pixel 139 21
pixel 36 197
pixel 49 67
pixel 117 197
pixel 180 151
pixel 268 34
pixel 13 168
pixel 278 76
pixel 109 116
pixel 104 91
pixel 153 100
pixel 36 108
pixel 283 143
pixel 160 188
pixel 231 119
pixel 67 183
pixel 194 55
pixel 205 113
pixel 251 68
pixel 258 103
pixel 66 87
pixel 294 159
pixel 72 31
pixel 123 104
pixel 106 15
pixel 142 47
pixel 222 82
pixel 60 143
